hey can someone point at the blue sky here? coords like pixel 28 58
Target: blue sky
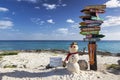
pixel 53 19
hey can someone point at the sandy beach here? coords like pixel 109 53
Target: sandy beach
pixel 32 66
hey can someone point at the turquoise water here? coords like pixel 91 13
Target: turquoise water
pixel 109 46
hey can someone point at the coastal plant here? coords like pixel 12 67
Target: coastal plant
pixel 8 53
pixel 113 66
pixel 1 57
pixel 10 66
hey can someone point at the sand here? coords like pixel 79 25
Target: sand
pixel 31 66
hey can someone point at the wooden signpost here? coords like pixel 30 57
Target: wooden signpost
pixel 90 28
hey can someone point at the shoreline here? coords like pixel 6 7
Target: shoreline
pixel 62 51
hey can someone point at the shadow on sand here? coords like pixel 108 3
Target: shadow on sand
pixel 114 71
pixel 23 74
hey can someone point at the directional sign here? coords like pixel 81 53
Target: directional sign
pixel 95 7
pixel 90 29
pixel 91 39
pixel 95 36
pixel 90 32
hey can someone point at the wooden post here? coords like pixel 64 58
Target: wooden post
pixel 92 55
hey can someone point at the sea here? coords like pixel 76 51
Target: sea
pixel 105 46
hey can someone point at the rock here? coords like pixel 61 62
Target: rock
pixel 118 62
pixel 83 65
pixel 48 66
pixel 118 54
pixel 64 64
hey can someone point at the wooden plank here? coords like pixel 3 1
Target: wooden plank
pixel 94 24
pixel 93 21
pixel 83 24
pixel 91 39
pixel 96 28
pixel 96 18
pixel 89 11
pixel 85 18
pixel 83 27
pixel 95 36
pixel 96 7
pixel 90 32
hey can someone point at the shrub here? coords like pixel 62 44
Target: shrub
pixel 113 66
pixel 10 66
pixel 8 53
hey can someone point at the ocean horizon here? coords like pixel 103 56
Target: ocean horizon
pixel 104 45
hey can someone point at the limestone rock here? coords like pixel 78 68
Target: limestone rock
pixel 83 65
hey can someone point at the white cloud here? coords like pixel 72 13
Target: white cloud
pixel 113 3
pixel 7 18
pixel 112 36
pixel 37 7
pixel 75 25
pixel 111 21
pixel 37 21
pixel 51 21
pixel 3 9
pixel 63 30
pixel 50 6
pixel 70 21
pixel 64 5
pixel 5 24
pixel 33 1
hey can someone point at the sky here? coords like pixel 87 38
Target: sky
pixel 53 19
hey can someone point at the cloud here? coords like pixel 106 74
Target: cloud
pixel 51 21
pixel 54 6
pixel 33 1
pixel 64 5
pixel 6 18
pixel 5 24
pixel 37 21
pixel 70 21
pixel 50 6
pixel 3 9
pixel 37 7
pixel 62 30
pixel 113 3
pixel 75 25
pixel 112 36
pixel 111 21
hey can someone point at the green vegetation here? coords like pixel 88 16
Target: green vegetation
pixel 113 66
pixel 0 57
pixel 10 66
pixel 9 53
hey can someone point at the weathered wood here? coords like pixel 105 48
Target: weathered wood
pixel 93 21
pixel 96 28
pixel 89 11
pixel 96 7
pixel 90 32
pixel 92 55
pixel 95 36
pixel 91 39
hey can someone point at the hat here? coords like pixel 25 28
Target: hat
pixel 74 43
